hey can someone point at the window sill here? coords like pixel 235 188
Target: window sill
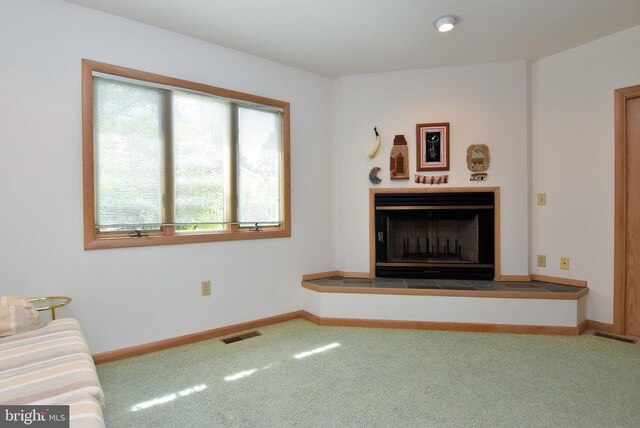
pixel 182 238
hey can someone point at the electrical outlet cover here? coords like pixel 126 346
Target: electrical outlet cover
pixel 542 199
pixel 542 261
pixel 206 288
pixel 564 263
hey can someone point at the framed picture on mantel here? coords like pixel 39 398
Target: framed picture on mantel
pixel 432 151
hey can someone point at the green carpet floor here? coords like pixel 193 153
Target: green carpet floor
pixel 298 374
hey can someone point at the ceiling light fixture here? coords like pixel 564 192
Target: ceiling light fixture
pixel 445 23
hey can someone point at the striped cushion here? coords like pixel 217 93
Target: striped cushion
pixel 52 363
pixel 17 316
pixel 62 326
pixel 84 412
pixel 34 353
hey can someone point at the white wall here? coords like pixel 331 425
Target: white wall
pixel 573 160
pixel 126 297
pixel 484 104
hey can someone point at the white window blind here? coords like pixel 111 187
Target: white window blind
pixel 128 154
pixel 200 136
pixel 163 158
pixel 259 154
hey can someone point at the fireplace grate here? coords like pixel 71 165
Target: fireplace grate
pixel 614 337
pixel 242 336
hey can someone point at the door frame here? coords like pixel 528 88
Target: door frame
pixel 620 205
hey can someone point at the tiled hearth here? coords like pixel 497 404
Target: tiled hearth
pixel 446 284
pixel 338 298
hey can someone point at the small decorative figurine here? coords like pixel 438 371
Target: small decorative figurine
pixel 431 179
pixel 376 145
pixel 478 157
pixel 399 162
pixel 373 175
pixel 478 176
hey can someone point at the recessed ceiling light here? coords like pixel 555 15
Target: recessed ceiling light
pixel 445 23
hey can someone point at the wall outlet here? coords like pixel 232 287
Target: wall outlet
pixel 542 260
pixel 542 199
pixel 564 263
pixel 206 288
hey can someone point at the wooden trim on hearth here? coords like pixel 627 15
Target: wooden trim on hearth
pixel 320 275
pixel 446 326
pixel 558 280
pixel 353 274
pixel 514 278
pixel 503 278
pixel 551 295
pixel 544 278
pixel 134 351
pixel 329 274
pixel 372 213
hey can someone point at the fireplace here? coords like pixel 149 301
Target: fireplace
pixel 438 235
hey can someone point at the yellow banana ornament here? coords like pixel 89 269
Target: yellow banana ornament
pixel 376 145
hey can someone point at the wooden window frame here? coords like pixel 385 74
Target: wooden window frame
pixel 167 234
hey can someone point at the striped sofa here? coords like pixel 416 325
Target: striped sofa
pixel 52 365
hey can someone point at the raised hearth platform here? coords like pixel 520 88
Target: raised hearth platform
pixel 538 307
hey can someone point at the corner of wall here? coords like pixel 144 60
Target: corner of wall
pixel 529 109
pixel 332 173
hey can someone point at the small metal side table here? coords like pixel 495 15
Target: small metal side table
pixel 49 303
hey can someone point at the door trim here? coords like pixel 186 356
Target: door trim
pixel 620 213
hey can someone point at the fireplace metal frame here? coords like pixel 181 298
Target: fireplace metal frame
pixel 400 191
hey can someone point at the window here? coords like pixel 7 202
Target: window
pixel 168 161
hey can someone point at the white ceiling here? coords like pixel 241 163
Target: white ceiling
pixel 342 37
